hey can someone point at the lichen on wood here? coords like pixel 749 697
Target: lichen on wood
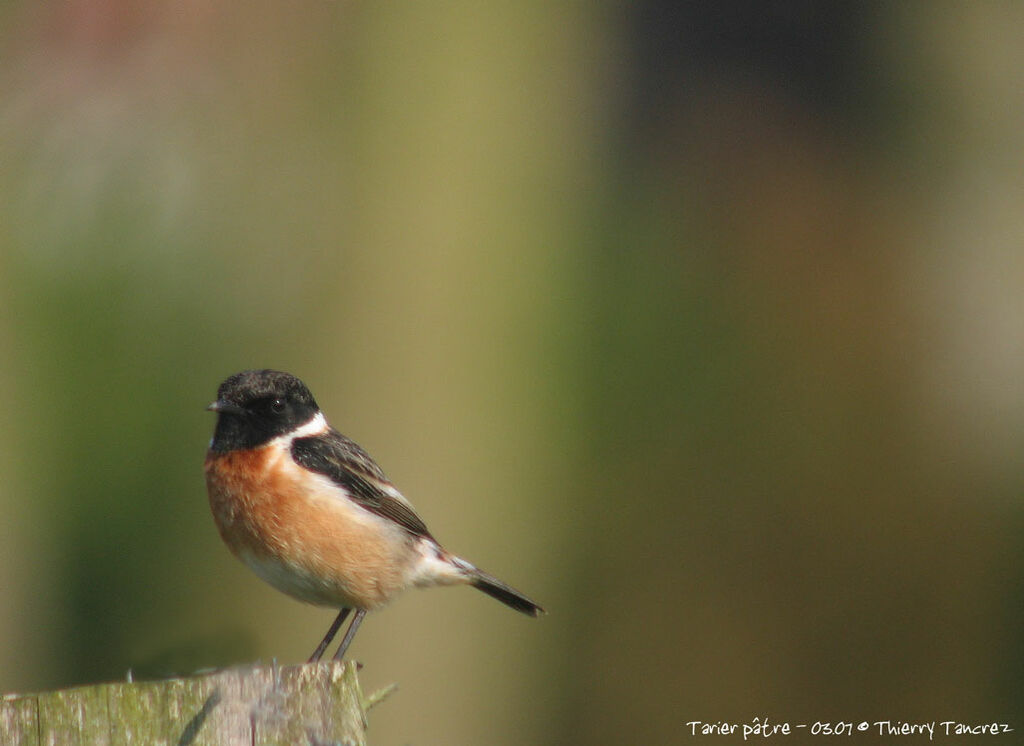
pixel 260 705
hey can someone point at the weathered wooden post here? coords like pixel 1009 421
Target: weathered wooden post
pixel 317 704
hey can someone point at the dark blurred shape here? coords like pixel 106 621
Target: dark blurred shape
pixel 810 51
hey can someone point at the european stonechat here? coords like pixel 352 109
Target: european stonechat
pixel 312 514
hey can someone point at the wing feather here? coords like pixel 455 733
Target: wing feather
pixel 346 464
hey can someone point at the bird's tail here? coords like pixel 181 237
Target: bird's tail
pixel 496 589
pixel 504 593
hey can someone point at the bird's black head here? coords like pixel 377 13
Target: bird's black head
pixel 255 406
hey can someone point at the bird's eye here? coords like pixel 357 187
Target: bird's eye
pixel 277 406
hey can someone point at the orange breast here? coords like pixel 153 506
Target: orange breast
pixel 299 533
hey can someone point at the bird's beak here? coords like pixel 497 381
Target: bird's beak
pixel 225 407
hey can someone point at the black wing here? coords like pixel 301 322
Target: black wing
pixel 349 466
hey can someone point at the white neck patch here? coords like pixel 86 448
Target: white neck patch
pixel 316 426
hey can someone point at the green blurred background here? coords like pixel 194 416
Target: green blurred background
pixel 702 323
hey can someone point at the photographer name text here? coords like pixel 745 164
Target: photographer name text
pixel 759 728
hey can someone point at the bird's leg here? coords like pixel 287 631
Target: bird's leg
pixel 356 621
pixel 335 625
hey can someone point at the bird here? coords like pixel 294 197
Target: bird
pixel 312 514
